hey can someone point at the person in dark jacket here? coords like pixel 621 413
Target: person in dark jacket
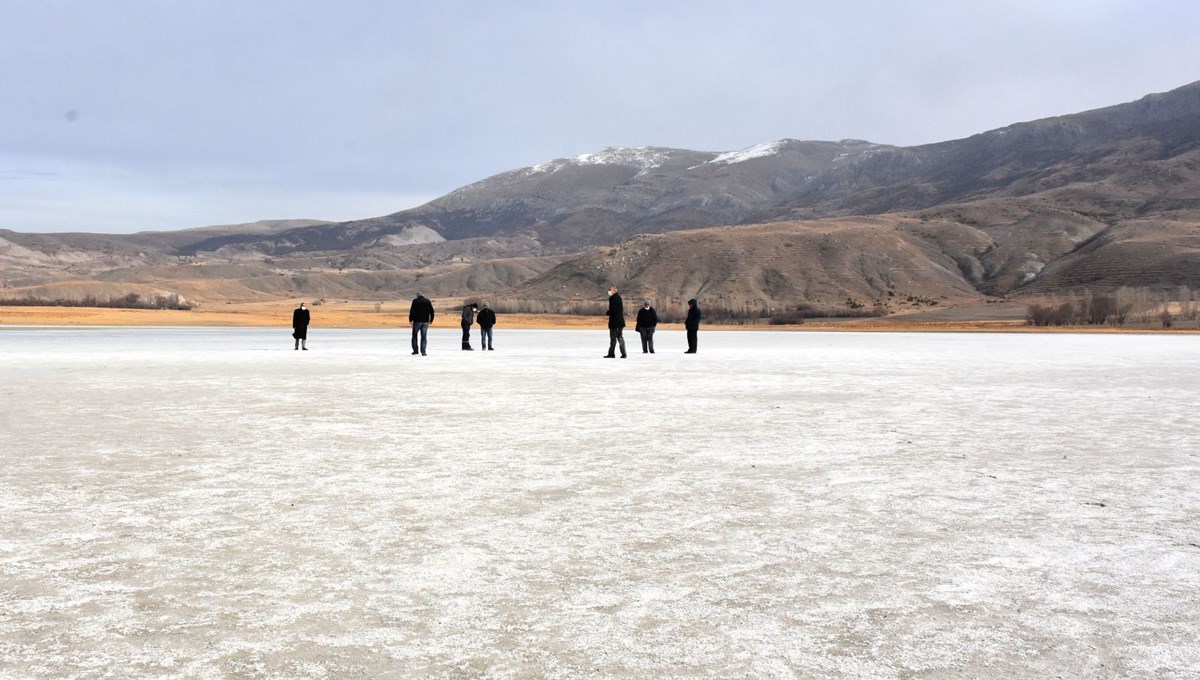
pixel 692 325
pixel 468 319
pixel 647 321
pixel 300 318
pixel 487 319
pixel 420 315
pixel 616 323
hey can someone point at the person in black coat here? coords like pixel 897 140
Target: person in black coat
pixel 300 319
pixel 692 325
pixel 647 321
pixel 468 319
pixel 420 314
pixel 486 319
pixel 616 323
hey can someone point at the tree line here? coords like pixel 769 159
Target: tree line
pixel 126 301
pixel 1124 306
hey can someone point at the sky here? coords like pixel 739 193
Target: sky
pixel 131 115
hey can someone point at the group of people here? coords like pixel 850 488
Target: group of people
pixel 421 313
pixel 645 324
pixel 486 317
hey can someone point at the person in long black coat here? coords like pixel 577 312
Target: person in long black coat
pixel 616 323
pixel 300 319
pixel 647 321
pixel 420 315
pixel 692 325
pixel 468 319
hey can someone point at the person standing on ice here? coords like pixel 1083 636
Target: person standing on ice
pixel 420 315
pixel 647 321
pixel 616 323
pixel 468 319
pixel 487 319
pixel 300 318
pixel 692 325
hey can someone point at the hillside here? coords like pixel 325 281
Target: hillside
pixel 894 262
pixel 1097 200
pixel 832 264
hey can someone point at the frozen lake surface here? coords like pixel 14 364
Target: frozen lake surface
pixel 210 503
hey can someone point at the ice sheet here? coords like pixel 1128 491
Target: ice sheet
pixel 211 503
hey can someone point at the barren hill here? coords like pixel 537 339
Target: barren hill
pixel 833 264
pixel 888 262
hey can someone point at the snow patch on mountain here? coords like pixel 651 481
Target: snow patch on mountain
pixel 644 158
pixel 749 153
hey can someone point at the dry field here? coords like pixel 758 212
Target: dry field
pixel 394 314
pixel 267 314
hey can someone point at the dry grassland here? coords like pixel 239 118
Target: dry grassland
pixel 267 314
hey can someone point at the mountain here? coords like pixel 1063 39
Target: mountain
pixel 1096 199
pixel 593 199
pixel 76 265
pixel 608 196
pixel 1119 144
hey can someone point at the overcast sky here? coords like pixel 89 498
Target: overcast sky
pixel 128 115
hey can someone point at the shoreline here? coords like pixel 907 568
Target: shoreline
pixel 360 316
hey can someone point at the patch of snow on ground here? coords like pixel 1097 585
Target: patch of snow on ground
pixel 211 503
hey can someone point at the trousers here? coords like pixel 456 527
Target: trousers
pixel 615 337
pixel 421 329
pixel 647 339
